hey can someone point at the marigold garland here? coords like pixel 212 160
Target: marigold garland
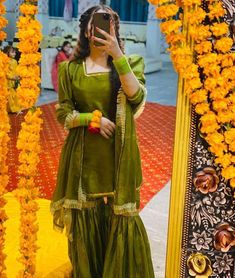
pixel 4 139
pixel 29 34
pixel 210 58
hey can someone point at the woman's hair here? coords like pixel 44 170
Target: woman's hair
pixel 83 50
pixel 64 44
pixel 7 49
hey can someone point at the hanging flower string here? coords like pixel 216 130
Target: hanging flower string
pixel 208 70
pixel 29 34
pixel 4 138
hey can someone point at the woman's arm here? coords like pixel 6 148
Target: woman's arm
pixel 65 109
pixel 131 74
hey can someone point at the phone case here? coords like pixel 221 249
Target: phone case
pixel 102 21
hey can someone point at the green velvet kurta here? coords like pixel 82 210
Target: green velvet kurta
pixel 105 241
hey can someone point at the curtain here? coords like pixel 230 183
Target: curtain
pixel 56 8
pixel 131 10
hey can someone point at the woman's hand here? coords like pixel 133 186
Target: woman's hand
pixel 107 128
pixel 110 45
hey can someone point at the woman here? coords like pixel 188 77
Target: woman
pixel 63 55
pixel 13 80
pixel 97 194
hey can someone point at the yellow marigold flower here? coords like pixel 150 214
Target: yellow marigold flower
pixel 193 84
pixel 227 60
pixel 210 83
pixel 224 160
pixel 3 22
pixel 219 29
pixel 218 149
pixel 202 108
pixel 195 17
pixel 27 9
pixel 200 33
pixel 229 135
pixel 215 138
pixel 2 9
pixel 191 72
pixel 212 71
pixel 28 59
pixel 208 59
pixel 224 45
pixel 175 38
pixel 221 104
pixel 170 26
pixel 228 172
pixel 225 117
pixel 232 183
pixel 232 97
pixel 167 11
pixel 209 122
pixel 191 2
pixel 218 93
pixel 3 35
pixel 199 96
pixel 203 47
pixel 216 10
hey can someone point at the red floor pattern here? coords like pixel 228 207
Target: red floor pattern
pixel 156 133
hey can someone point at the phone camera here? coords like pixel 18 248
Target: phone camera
pixel 106 16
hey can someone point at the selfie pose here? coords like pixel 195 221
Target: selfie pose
pixel 97 197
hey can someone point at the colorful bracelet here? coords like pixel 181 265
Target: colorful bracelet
pixel 94 126
pixel 122 65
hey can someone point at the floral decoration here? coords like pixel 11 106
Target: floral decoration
pixel 4 139
pixel 208 69
pixel 28 143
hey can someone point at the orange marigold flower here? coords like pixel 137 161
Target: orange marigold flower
pixel 195 17
pixel 218 149
pixel 218 93
pixel 167 11
pixel 200 33
pixel 225 117
pixel 224 45
pixel 208 59
pixel 202 108
pixel 191 72
pixel 199 96
pixel 216 10
pixel 227 60
pixel 203 47
pixel 224 160
pixel 175 38
pixel 3 35
pixel 170 26
pixel 3 22
pixel 219 29
pixel 27 9
pixel 220 104
pixel 191 2
pixel 228 172
pixel 215 138
pixel 212 71
pixel 209 122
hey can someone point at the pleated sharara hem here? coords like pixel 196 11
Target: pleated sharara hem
pixel 105 245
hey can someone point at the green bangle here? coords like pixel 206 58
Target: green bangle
pixel 122 65
pixel 85 118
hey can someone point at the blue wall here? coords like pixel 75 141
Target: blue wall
pixel 56 8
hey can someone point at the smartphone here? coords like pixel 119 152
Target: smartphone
pixel 102 21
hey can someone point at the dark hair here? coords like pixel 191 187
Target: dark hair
pixel 64 44
pixel 83 50
pixel 7 49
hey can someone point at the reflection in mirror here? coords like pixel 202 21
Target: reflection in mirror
pixel 88 175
